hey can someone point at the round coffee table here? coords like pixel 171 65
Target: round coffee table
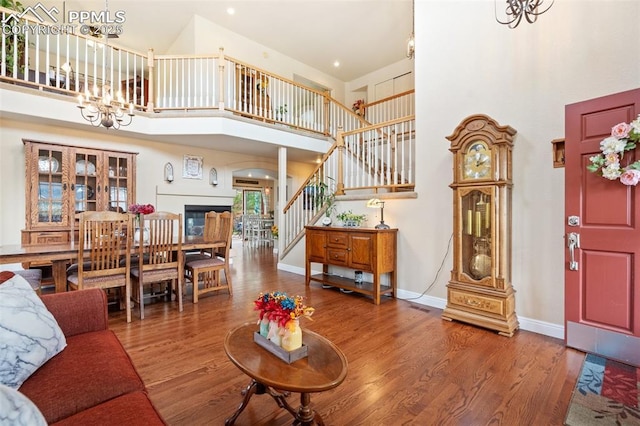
pixel 324 368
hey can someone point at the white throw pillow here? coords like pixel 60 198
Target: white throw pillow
pixel 29 334
pixel 18 410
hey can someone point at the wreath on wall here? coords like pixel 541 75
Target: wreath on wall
pixel 624 137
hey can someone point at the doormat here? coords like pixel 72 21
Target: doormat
pixel 607 393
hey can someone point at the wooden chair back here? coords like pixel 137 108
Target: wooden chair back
pixel 107 237
pixel 163 247
pixel 218 228
pixel 159 255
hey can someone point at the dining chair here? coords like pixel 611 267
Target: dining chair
pixel 159 257
pixel 104 241
pixel 205 267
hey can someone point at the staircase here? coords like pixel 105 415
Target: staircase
pixel 373 159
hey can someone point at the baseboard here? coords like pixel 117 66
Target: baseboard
pixel 528 324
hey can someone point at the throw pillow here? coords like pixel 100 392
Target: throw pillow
pixel 18 410
pixel 29 334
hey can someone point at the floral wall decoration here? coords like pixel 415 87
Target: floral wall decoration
pixel 611 163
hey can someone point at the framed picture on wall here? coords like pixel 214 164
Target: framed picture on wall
pixel 192 167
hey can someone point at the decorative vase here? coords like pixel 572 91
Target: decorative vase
pixel 274 333
pixel 145 235
pixel 292 337
pixel 264 327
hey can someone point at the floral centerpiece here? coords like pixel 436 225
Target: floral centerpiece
pixel 358 107
pixel 624 137
pixel 274 231
pixel 139 209
pixel 279 318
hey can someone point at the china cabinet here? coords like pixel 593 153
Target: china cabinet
pixel 363 249
pixel 62 180
pixel 480 291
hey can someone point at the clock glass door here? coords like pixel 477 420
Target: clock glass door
pixel 476 236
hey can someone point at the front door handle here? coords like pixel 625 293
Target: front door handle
pixel 573 241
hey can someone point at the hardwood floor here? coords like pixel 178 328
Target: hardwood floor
pixel 406 364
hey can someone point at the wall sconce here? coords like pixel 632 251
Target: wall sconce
pixel 168 172
pixel 375 203
pixel 213 177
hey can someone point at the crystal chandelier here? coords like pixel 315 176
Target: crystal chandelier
pixel 411 43
pixel 517 9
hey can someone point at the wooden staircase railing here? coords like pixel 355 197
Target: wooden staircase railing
pixel 377 158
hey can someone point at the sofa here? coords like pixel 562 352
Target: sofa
pixel 92 381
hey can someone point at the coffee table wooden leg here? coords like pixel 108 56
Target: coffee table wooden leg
pixel 306 416
pixel 279 397
pixel 254 387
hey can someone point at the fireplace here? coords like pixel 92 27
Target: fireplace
pixel 194 217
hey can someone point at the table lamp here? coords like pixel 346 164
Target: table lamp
pixel 374 203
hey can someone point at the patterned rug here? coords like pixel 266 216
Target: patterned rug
pixel 607 393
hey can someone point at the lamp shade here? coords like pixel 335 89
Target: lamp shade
pixel 376 203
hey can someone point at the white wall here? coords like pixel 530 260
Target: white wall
pixel 208 37
pixel 466 63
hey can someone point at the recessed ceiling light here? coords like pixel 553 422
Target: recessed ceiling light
pixel 231 11
pixel 336 64
pixel 249 174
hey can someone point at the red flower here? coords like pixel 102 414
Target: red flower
pixel 141 208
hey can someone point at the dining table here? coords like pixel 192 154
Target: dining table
pixel 61 255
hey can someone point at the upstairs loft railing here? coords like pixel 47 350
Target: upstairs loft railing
pixel 43 56
pixel 73 64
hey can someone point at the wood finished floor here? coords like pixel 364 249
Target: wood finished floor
pixel 407 366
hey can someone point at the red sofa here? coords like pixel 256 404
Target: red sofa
pixel 92 381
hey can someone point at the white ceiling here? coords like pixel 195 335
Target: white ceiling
pixel 364 35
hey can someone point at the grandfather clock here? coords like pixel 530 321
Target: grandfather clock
pixel 480 290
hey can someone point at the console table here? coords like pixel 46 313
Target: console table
pixel 364 249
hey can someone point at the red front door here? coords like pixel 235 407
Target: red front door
pixel 602 272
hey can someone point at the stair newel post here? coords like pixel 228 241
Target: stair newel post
pixel 151 74
pixel 327 106
pixel 221 63
pixel 341 154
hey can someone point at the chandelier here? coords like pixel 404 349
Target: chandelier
pixel 100 108
pixel 411 43
pixel 517 9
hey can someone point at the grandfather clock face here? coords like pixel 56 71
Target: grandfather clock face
pixel 477 161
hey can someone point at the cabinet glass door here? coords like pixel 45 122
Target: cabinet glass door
pixel 118 172
pixel 85 184
pixel 51 187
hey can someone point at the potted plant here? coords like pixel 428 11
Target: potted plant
pixel 14 43
pixel 281 111
pixel 324 197
pixel 349 218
